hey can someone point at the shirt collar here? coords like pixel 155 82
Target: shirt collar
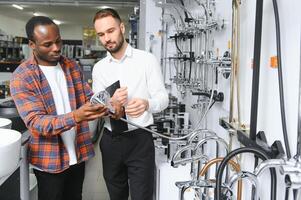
pixel 128 53
pixel 33 61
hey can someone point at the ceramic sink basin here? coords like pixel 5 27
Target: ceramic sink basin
pixel 8 110
pixel 5 123
pixel 10 145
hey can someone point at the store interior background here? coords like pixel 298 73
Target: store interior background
pixel 12 22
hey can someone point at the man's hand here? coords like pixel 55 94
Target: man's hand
pixel 136 107
pixel 118 108
pixel 88 112
pixel 120 96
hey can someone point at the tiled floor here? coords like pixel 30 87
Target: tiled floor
pixel 94 186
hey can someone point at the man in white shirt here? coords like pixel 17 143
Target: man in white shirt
pixel 128 156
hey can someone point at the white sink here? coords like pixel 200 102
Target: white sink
pixel 5 123
pixel 10 145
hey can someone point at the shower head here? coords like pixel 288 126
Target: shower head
pixel 102 97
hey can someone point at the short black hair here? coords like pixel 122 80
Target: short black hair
pixel 36 21
pixel 107 12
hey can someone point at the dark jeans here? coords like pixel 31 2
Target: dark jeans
pixel 66 185
pixel 128 162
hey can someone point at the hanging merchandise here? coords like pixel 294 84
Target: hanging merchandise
pixel 289 167
pixel 235 48
pixel 103 97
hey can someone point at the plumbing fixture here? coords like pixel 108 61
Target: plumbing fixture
pixel 235 166
pixel 190 157
pixel 197 185
pixel 244 175
pixel 260 154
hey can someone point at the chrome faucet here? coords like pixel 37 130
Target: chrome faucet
pixel 290 168
pixel 177 160
pixel 286 167
pixel 235 166
pixel 214 138
pixel 198 186
pixel 201 132
pixel 244 175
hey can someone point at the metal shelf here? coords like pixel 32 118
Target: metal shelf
pixel 8 66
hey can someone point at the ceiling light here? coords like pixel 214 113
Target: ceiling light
pixel 105 7
pixel 17 6
pixel 57 21
pixel 36 14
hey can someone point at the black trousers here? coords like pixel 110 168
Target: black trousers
pixel 128 163
pixel 66 185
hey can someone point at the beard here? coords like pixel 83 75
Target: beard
pixel 118 46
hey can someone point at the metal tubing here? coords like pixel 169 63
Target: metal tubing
pixel 235 60
pixel 181 150
pixel 270 163
pixel 198 132
pixel 214 138
pixel 184 185
pixel 232 163
pixel 24 174
pixel 262 155
pixel 290 168
pixel 245 175
pixel 192 158
pixel 233 66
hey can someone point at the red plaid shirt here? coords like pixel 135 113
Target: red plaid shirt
pixel 33 98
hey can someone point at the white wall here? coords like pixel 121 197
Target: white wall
pixel 12 26
pixel 150 25
pixel 269 119
pixel 71 32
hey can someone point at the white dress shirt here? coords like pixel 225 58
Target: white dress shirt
pixel 58 84
pixel 140 72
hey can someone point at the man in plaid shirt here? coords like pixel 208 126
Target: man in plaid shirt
pixel 53 100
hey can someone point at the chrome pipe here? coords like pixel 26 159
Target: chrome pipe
pixel 214 138
pixel 244 175
pixel 199 184
pixel 285 166
pixel 267 164
pixel 194 136
pixel 176 163
pixel 235 166
pixel 192 158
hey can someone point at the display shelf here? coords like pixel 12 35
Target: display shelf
pixel 6 66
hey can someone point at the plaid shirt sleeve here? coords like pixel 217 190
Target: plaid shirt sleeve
pixel 33 112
